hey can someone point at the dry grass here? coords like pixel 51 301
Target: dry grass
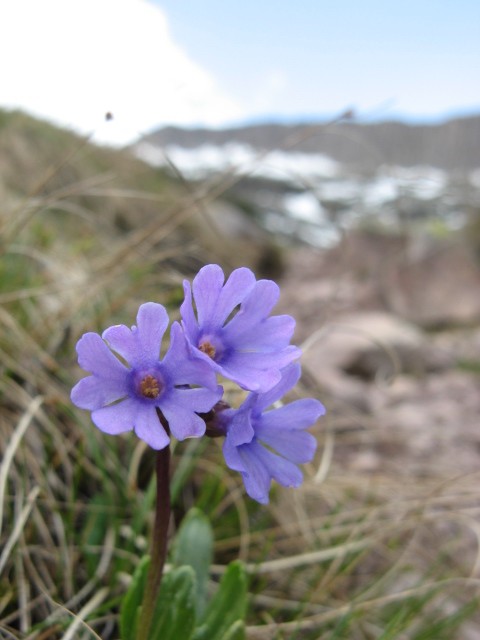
pixel 349 555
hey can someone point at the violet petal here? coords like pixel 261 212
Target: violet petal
pixel 299 414
pixel 149 428
pixel 290 377
pixel 95 357
pixel 297 446
pixel 280 469
pixel 93 392
pixel 182 367
pixel 116 418
pixel 183 422
pixel 152 322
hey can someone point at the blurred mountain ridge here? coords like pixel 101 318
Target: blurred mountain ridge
pixel 453 145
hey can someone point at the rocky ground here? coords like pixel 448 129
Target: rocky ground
pixel 391 335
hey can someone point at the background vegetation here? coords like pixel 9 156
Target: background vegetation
pixel 86 235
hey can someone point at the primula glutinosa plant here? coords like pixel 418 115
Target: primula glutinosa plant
pixel 226 331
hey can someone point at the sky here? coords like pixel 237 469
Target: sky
pixel 212 62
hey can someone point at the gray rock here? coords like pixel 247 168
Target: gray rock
pixel 371 346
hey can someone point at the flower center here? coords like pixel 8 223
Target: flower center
pixel 207 348
pixel 149 387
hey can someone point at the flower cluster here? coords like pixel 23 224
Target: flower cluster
pixel 226 329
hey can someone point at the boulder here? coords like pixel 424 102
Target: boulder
pixel 371 345
pixel 426 281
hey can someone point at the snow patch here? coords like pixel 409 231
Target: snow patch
pixel 199 162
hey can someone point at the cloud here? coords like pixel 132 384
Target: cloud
pixel 72 61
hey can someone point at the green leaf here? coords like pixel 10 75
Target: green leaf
pixel 193 546
pixel 227 607
pixel 174 614
pixel 132 600
pixel 236 631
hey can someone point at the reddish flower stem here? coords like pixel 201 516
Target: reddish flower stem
pixel 159 543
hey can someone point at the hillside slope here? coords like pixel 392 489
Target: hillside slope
pixel 58 188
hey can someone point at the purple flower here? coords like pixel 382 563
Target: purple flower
pixel 248 346
pixel 125 397
pixel 265 445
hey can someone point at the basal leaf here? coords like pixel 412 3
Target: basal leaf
pixel 228 605
pixel 193 546
pixel 174 615
pixel 132 600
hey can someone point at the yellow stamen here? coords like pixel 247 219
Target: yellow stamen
pixel 207 348
pixel 149 387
